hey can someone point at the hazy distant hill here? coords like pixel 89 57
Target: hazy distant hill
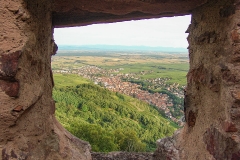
pixel 120 48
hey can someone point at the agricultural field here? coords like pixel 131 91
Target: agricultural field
pixel 175 71
pixel 64 80
pixel 146 65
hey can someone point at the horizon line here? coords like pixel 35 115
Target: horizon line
pixel 118 45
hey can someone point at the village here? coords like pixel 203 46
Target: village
pixel 115 81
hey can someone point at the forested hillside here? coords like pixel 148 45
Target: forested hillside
pixel 109 121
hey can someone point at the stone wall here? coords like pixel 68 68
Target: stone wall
pixel 212 99
pixel 28 126
pixel 29 129
pixel 82 12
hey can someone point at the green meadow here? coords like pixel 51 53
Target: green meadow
pixel 175 71
pixel 63 80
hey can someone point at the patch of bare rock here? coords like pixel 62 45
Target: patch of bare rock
pixel 122 156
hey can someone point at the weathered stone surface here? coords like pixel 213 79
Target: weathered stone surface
pixel 227 10
pixel 202 76
pixel 55 48
pixel 235 113
pixel 191 118
pixel 228 76
pixel 235 35
pixel 235 137
pixel 229 127
pixel 53 107
pixel 81 12
pixel 219 145
pixel 198 75
pixel 9 65
pixel 10 88
pixel 213 78
pixel 186 103
pixel 18 108
pixel 236 95
pixel 167 148
pixel 4 155
pixel 236 104
pixel 28 126
pixel 207 37
pixel 235 58
pixel 122 156
pixel 236 156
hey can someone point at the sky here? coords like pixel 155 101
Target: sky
pixel 164 32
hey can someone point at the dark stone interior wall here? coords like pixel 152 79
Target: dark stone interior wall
pixel 212 98
pixel 29 129
pixel 212 94
pixel 27 122
pixel 82 12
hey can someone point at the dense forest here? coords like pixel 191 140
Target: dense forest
pixel 109 121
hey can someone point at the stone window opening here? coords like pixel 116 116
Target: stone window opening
pixel 116 37
pixel 29 129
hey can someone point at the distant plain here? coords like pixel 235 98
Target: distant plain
pixel 166 65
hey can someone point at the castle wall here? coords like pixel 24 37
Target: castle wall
pixel 28 126
pixel 212 97
pixel 29 129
